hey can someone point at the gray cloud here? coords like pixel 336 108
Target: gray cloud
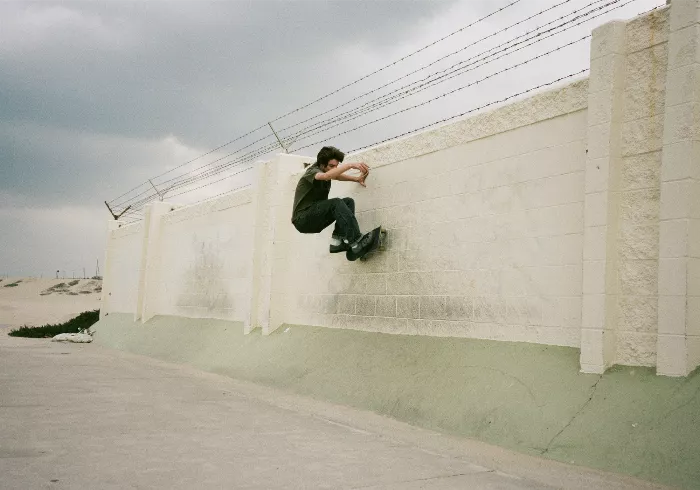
pixel 98 96
pixel 154 68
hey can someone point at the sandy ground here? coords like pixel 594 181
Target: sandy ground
pixel 39 301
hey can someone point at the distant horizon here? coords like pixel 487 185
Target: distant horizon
pixel 5 276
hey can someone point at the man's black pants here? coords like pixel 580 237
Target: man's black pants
pixel 320 215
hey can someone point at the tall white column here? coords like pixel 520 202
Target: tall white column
pixel 273 197
pixel 601 220
pixel 107 276
pixel 150 260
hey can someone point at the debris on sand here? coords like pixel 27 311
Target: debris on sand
pixel 79 338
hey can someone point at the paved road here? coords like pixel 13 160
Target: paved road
pixel 86 417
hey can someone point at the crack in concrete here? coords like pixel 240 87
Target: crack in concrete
pixel 508 375
pixel 578 412
pixel 684 404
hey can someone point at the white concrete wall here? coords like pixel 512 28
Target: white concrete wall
pixel 569 218
pixel 679 262
pixel 486 234
pixel 194 261
pixel 205 265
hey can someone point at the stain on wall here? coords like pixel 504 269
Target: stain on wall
pixel 204 284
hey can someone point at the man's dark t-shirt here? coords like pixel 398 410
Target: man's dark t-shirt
pixel 309 190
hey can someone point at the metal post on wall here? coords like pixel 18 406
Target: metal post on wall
pixel 160 196
pixel 117 216
pixel 278 138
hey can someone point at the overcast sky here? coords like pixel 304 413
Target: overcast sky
pixel 96 97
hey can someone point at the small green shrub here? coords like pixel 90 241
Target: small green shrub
pixel 73 283
pixel 81 322
pixel 12 284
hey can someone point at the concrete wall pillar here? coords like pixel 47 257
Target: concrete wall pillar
pixel 273 199
pixel 107 274
pixel 678 348
pixel 601 220
pixel 150 260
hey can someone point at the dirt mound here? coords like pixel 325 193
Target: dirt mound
pixel 74 287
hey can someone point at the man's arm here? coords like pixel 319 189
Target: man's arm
pixel 335 173
pixel 360 179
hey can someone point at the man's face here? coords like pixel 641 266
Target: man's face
pixel 332 164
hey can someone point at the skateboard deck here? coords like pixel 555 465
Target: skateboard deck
pixel 379 240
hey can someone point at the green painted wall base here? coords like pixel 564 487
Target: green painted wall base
pixel 526 397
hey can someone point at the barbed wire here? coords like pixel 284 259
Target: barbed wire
pixel 560 79
pixel 506 48
pixel 399 60
pixel 403 58
pixel 130 200
pixel 448 73
pixel 506 99
pixel 381 101
pixel 192 160
pixel 251 155
pixel 208 198
pixel 441 59
pixel 152 195
pixel 211 183
pixel 138 210
pixel 295 136
pixel 360 114
pixel 463 113
pixel 138 206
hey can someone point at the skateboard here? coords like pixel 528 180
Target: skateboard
pixel 378 242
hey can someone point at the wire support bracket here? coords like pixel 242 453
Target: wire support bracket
pixel 117 216
pixel 278 138
pixel 160 195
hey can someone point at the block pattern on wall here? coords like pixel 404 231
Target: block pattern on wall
pixel 485 241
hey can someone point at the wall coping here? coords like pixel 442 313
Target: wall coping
pixel 212 205
pixel 125 230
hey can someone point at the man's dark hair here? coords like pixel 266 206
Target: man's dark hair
pixel 327 154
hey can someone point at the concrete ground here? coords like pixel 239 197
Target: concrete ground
pixel 85 416
pixel 524 397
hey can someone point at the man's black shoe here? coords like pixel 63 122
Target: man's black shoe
pixel 359 248
pixel 338 245
pixel 342 247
